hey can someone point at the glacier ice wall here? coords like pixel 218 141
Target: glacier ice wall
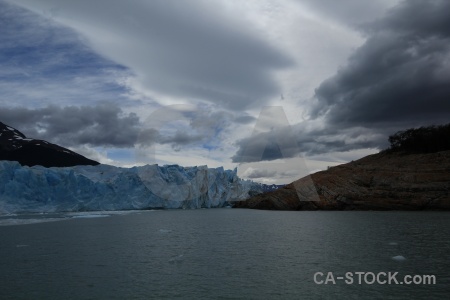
pixel 104 187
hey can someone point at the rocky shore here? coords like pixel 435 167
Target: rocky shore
pixel 389 180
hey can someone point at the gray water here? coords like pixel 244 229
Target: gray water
pixel 221 254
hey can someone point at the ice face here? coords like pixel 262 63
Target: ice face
pixel 104 187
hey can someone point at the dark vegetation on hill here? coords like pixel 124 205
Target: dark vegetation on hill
pixel 421 140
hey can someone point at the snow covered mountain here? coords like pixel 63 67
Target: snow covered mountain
pixel 15 146
pixel 271 187
pixel 104 187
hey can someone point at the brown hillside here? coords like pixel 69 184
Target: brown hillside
pixel 383 181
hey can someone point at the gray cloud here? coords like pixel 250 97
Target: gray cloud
pixel 298 141
pixel 349 12
pixel 202 126
pixel 259 173
pixel 43 62
pixel 244 119
pixel 423 18
pixel 179 139
pixel 100 125
pixel 106 125
pixel 265 146
pixel 273 138
pixel 252 173
pixel 191 51
pixel 399 76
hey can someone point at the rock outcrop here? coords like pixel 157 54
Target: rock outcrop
pixel 389 180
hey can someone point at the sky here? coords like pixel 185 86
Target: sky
pixel 278 89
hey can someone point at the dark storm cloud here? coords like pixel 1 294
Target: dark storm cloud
pixel 191 50
pixel 296 141
pixel 265 146
pixel 106 125
pixel 399 78
pixel 101 125
pixel 424 18
pixel 400 75
pixel 179 139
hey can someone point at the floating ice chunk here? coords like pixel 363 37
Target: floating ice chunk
pixel 9 222
pixel 7 215
pixel 399 258
pixel 176 259
pixel 89 215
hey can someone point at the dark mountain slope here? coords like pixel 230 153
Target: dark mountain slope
pixel 29 152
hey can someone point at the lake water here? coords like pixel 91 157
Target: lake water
pixel 221 254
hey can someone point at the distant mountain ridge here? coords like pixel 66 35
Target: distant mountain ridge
pixel 15 146
pixel 271 187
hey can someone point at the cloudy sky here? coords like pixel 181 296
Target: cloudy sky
pixel 276 88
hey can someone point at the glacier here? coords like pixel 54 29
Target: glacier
pixel 106 188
